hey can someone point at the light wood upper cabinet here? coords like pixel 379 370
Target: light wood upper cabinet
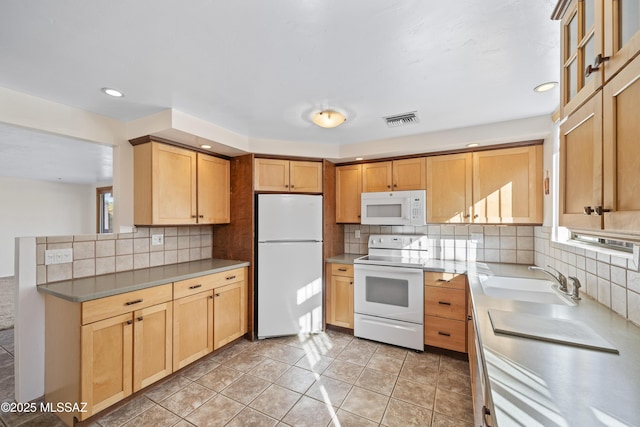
pixel 229 313
pixel 581 166
pixel 348 192
pixel 166 189
pixel 449 188
pixel 621 150
pixel 288 176
pixel 507 185
pixel 621 34
pixel 396 175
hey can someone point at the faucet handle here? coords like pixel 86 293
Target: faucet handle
pixel 561 277
pixel 575 291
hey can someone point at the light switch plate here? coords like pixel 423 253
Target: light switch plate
pixel 157 239
pixel 357 234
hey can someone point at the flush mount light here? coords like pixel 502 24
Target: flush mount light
pixel 207 146
pixel 544 87
pixel 112 92
pixel 328 118
pixel 474 144
pixel 359 158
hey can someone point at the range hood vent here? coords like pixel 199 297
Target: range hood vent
pixel 401 119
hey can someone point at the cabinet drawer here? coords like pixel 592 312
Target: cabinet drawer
pixel 342 270
pixel 445 302
pixel 445 280
pixel 104 308
pixel 208 282
pixel 445 333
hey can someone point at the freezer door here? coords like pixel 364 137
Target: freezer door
pixel 289 217
pixel 289 288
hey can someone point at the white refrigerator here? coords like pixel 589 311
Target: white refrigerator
pixel 289 263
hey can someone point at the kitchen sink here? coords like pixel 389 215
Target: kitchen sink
pixel 524 289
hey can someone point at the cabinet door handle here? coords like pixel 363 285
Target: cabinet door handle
pixel 138 301
pixel 486 412
pixel 446 334
pixel 444 303
pixel 231 277
pixel 286 186
pixel 342 269
pixel 469 317
pixel 596 65
pixel 200 216
pixel 388 186
pixel 351 283
pixel 395 185
pixel 217 295
pixel 476 216
pixel 600 210
pixel 444 280
pixel 128 322
pixel 194 216
pixel 210 296
pixel 467 216
pixel 139 318
pixel 195 286
pixel 587 210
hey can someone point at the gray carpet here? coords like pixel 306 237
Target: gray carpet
pixel 7 290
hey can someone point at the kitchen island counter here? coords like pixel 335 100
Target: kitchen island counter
pixel 94 287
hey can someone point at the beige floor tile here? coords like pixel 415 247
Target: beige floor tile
pixel 453 381
pixel 347 419
pixel 364 345
pixel 199 368
pixel 165 389
pixel 219 378
pixel 378 381
pixel 126 412
pixel 269 369
pixel 329 390
pixel 216 412
pixel 245 389
pixel 297 379
pixel 188 399
pixel 182 423
pixel 253 418
pixel 356 355
pixel 384 363
pixel 344 371
pixel 244 361
pixel 392 351
pixel 440 420
pixel 454 405
pixel 275 401
pixel 46 419
pixel 365 403
pixel 426 358
pixel 424 373
pixel 284 353
pixel 413 392
pixel 403 414
pixel 315 362
pixel 308 412
pixel 156 416
pixel 459 366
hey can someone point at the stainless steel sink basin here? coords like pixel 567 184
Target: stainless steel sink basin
pixel 523 289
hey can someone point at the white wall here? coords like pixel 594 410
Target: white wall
pixel 40 208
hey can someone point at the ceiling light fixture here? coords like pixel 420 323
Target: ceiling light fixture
pixel 473 144
pixel 359 158
pixel 328 118
pixel 207 146
pixel 112 92
pixel 544 87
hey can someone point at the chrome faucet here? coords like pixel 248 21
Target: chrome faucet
pixel 561 279
pixel 575 289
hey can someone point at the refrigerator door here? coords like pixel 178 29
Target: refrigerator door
pixel 289 217
pixel 289 288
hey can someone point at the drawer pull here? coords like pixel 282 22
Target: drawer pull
pixel 139 318
pixel 342 269
pixel 231 277
pixel 351 283
pixel 444 280
pixel 217 295
pixel 444 303
pixel 195 286
pixel 138 301
pixel 446 334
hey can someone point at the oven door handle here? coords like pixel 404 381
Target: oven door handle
pixel 388 270
pixel 389 325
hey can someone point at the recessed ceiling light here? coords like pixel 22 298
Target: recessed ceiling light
pixel 112 92
pixel 328 118
pixel 207 146
pixel 473 144
pixel 359 158
pixel 544 87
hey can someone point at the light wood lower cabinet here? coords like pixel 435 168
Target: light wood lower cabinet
pixel 445 311
pixel 229 313
pixel 192 328
pixel 339 311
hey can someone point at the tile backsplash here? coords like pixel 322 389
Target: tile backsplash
pixel 614 281
pixel 489 243
pixel 96 254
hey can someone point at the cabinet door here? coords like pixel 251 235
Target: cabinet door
pixel 582 41
pixel 106 368
pixel 449 180
pixel 376 176
pixel 581 166
pixel 621 150
pixel 340 310
pixel 409 174
pixel 621 34
pixel 507 185
pixel 305 177
pixel 152 344
pixel 230 313
pixel 271 175
pixel 174 185
pixel 192 328
pixel 213 190
pixel 348 192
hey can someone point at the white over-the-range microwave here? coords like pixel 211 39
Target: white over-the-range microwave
pixel 394 208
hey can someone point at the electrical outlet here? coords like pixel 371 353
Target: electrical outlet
pixel 357 234
pixel 157 239
pixel 58 256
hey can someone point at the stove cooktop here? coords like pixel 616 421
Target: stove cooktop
pixel 395 261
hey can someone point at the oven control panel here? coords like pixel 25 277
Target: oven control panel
pixel 396 241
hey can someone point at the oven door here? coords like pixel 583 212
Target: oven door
pixel 389 292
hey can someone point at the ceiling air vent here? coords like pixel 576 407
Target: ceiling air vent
pixel 401 119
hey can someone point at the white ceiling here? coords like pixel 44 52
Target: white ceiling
pixel 260 68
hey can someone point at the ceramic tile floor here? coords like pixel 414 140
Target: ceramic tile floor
pixel 329 379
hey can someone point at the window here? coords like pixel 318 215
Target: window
pixel 104 210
